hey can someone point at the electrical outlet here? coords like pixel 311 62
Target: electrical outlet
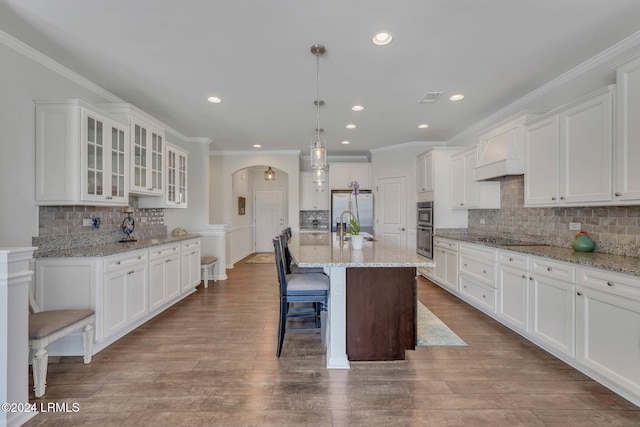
pixel 576 226
pixel 483 221
pixel 87 222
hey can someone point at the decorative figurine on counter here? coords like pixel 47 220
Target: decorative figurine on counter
pixel 583 243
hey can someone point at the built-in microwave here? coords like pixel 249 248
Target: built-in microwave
pixel 425 214
pixel 424 229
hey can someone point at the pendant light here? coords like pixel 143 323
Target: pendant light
pixel 269 175
pixel 318 146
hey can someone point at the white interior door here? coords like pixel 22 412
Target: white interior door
pixel 391 211
pixel 269 217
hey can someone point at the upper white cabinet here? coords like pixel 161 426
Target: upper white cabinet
pixel 82 155
pixel 467 193
pixel 176 188
pixel 569 153
pixel 627 149
pixel 147 149
pixel 424 174
pixel 341 174
pixel 312 196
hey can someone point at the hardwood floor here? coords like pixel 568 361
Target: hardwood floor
pixel 210 360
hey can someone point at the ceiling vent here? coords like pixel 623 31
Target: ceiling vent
pixel 431 97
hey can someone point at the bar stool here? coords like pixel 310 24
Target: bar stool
pixel 206 263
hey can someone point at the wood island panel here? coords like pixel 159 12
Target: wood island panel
pixel 381 312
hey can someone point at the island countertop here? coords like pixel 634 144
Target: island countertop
pixel 324 250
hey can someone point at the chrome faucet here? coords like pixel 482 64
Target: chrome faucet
pixel 342 227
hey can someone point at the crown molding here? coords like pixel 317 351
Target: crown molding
pixel 253 153
pixel 410 144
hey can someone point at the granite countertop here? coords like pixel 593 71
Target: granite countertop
pixel 113 248
pixel 617 263
pixel 330 253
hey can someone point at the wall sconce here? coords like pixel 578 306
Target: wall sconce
pixel 269 175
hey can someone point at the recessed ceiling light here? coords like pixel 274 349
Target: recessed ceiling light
pixel 357 108
pixel 345 142
pixel 257 146
pixel 214 99
pixel 351 126
pixel 423 126
pixel 382 38
pixel 456 97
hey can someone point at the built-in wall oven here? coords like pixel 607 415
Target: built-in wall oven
pixel 424 232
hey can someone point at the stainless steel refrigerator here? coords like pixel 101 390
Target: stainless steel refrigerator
pixel 342 200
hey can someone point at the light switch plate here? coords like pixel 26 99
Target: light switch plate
pixel 575 226
pixel 87 222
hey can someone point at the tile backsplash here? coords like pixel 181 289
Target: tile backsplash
pixel 307 219
pixel 615 229
pixel 60 227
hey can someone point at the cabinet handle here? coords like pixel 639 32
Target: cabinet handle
pixel 117 262
pixel 193 253
pixel 510 259
pixel 553 198
pixel 109 197
pixel 579 293
pixel 524 276
pixel 484 271
pixel 464 286
pixel 530 277
pixel 442 251
pixel 140 257
pixel 130 272
pixel 610 283
pixel 465 265
pixel 461 204
pixel 618 194
pixel 561 197
pixel 548 268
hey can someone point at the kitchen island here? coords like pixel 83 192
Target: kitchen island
pixel 372 296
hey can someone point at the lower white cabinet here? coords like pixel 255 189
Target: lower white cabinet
pixel 552 296
pixel 164 275
pixel 478 275
pixel 190 250
pixel 445 255
pixel 125 290
pixel 512 305
pixel 608 327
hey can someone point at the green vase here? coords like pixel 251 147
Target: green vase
pixel 583 243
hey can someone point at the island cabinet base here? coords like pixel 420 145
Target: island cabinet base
pixel 381 312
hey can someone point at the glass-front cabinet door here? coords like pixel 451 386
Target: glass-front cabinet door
pixel 147 165
pixel 104 148
pixel 176 195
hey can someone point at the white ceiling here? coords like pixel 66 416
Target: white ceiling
pixel 166 57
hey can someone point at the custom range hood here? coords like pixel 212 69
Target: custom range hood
pixel 502 149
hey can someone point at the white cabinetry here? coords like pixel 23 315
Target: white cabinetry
pixel 608 327
pixel 569 153
pixel 176 187
pixel 312 197
pixel 147 149
pixel 341 174
pixel 552 296
pixel 190 250
pixel 445 255
pixel 124 291
pixel 513 290
pixel 164 275
pixel 627 147
pixel 424 174
pixel 436 165
pixel 467 193
pixel 478 275
pixel 82 155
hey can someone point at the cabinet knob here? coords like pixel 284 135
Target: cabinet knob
pixel 461 204
pixel 465 264
pixel 117 262
pixel 168 260
pixel 548 268
pixel 561 197
pixel 579 293
pixel 524 276
pixel 553 198
pixel 530 277
pixel 618 194
pixel 130 272
pixel 510 259
pixel 484 271
pixel 610 283
pixel 484 296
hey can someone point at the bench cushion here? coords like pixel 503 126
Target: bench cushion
pixel 47 322
pixel 208 260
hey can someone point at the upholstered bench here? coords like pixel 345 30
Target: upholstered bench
pixel 50 325
pixel 206 263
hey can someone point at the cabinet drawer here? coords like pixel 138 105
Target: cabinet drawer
pixel 608 281
pixel 190 244
pixel 478 268
pixel 124 260
pixel 513 259
pixel 478 292
pixel 164 250
pixel 554 269
pixel 445 243
pixel 479 251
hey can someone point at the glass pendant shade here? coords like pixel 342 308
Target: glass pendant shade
pixel 269 175
pixel 318 154
pixel 319 177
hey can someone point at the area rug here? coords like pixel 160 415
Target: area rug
pixel 432 332
pixel 262 258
